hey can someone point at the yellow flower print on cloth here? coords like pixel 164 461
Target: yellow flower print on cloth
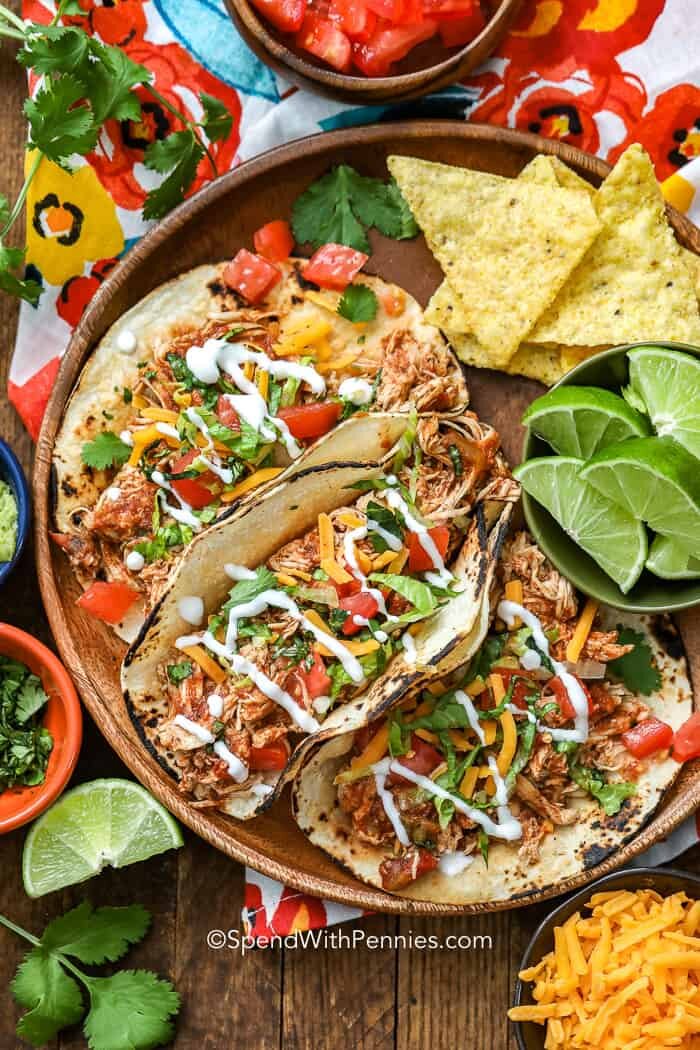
pixel 71 220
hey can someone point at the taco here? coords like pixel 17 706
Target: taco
pixel 539 759
pixel 194 401
pixel 352 584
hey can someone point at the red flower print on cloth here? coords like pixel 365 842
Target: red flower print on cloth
pixel 118 161
pixel 670 130
pixel 121 22
pixel 77 292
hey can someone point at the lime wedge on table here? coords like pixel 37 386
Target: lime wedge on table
pixel 668 382
pixel 612 537
pixel 671 562
pixel 653 479
pixel 580 420
pixel 99 824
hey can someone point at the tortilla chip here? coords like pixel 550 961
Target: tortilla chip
pixel 692 261
pixel 540 170
pixel 634 283
pixel 568 178
pixel 542 363
pixel 507 246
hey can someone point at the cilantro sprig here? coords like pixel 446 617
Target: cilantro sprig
pixel 105 450
pixel 85 83
pixel 133 1008
pixel 340 207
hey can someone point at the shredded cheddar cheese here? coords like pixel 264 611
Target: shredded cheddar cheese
pixel 262 381
pixel 209 666
pixel 336 572
pixel 382 560
pixel 628 976
pixel 259 477
pixel 326 539
pixel 514 593
pixel 510 743
pixel 142 439
pixel 583 629
pixel 396 566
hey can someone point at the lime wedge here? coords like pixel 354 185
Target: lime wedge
pixel 580 420
pixel 99 824
pixel 671 562
pixel 653 479
pixel 668 381
pixel 613 538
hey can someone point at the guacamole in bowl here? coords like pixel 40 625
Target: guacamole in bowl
pixel 8 522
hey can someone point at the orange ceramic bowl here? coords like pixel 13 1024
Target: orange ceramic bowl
pixel 62 717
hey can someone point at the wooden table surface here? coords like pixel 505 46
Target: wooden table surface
pixel 400 997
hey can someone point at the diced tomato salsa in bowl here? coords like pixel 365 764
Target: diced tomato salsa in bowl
pixel 369 37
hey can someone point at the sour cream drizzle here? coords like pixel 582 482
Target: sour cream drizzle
pixel 452 864
pixel 508 611
pixel 280 600
pixel 183 513
pixel 381 771
pixel 472 715
pixel 238 572
pixel 356 391
pixel 202 734
pixel 352 537
pixel 236 769
pixel 239 665
pixel 215 467
pixel 191 609
pixel 216 355
pixel 507 828
pixel 442 576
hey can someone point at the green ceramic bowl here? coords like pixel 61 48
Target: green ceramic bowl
pixel 650 594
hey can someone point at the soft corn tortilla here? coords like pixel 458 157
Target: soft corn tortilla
pixel 565 853
pixel 506 246
pixel 250 537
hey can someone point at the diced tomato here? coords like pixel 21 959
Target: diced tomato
pixel 418 558
pixel 312 420
pixel 399 872
pixel 388 45
pixel 194 491
pixel 390 10
pixel 286 15
pixel 362 604
pixel 251 275
pixel 393 300
pixel 562 697
pixel 686 742
pixel 353 17
pixel 316 680
pixel 274 240
pixel 323 39
pixel 424 760
pixel 647 737
pixel 108 601
pixel 345 589
pixel 456 32
pixel 412 13
pixel 274 756
pixel 450 8
pixel 227 413
pixel 334 266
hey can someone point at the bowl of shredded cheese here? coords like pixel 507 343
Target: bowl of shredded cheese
pixel 14 510
pixel 617 965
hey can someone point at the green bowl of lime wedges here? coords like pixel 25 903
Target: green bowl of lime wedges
pixel 611 476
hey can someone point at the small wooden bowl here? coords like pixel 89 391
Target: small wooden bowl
pixel 428 67
pixel 62 717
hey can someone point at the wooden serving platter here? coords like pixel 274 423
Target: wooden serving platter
pixel 213 225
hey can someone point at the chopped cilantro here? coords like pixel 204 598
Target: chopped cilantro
pixel 340 206
pixel 178 672
pixel 25 745
pixel 105 450
pixel 358 304
pixel 456 458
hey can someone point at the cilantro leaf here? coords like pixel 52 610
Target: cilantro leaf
pixel 10 259
pixel 387 521
pixel 105 450
pixel 60 121
pixel 245 590
pixel 358 304
pixel 178 672
pixel 217 121
pixel 99 936
pixel 340 205
pixel 30 698
pixel 52 998
pixel 637 668
pixel 130 1011
pixel 54 49
pixel 178 155
pixel 109 78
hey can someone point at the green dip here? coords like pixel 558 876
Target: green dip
pixel 8 522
